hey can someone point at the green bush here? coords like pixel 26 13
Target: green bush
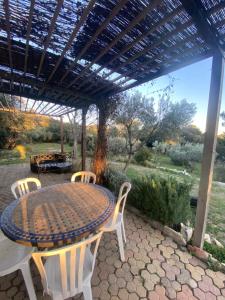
pixel 113 179
pixel 163 200
pixel 143 155
pixel 91 142
pixel 184 155
pixel 219 172
pixel 217 252
pixel 117 145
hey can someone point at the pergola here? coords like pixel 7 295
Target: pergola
pixel 67 55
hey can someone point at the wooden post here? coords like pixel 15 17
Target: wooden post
pixel 209 148
pixel 83 139
pixel 61 134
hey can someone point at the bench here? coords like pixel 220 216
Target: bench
pixel 51 162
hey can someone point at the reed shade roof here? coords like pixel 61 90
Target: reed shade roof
pixel 75 53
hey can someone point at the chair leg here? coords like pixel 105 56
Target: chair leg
pixel 25 268
pixel 124 233
pixel 120 242
pixel 87 292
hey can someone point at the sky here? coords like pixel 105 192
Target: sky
pixel 191 83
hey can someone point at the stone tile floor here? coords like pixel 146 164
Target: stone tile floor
pixel 155 267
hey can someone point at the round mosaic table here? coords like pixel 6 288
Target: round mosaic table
pixel 57 215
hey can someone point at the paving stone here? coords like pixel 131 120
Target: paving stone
pixel 196 272
pixel 206 285
pixel 155 266
pixel 123 294
pixel 184 256
pixel 184 276
pixel 133 296
pixel 113 289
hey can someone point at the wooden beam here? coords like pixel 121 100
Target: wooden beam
pixel 209 150
pixel 104 24
pixel 72 36
pixel 131 25
pixel 83 139
pixel 50 32
pixel 61 134
pixel 7 17
pixel 132 44
pixel 203 23
pixel 144 51
pixel 28 34
pixel 165 71
pixel 38 84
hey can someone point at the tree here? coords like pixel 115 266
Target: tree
pixel 220 147
pixel 14 124
pixel 168 119
pixel 191 134
pixel 128 114
pixel 146 122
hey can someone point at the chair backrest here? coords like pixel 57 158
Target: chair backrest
pixel 85 176
pixel 21 187
pixel 121 201
pixel 71 264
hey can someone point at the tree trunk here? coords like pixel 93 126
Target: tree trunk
pixel 100 157
pixel 83 139
pixel 130 148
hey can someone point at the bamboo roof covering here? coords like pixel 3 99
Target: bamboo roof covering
pixel 76 53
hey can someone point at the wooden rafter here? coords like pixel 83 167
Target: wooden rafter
pixel 28 33
pixel 132 24
pixel 200 17
pixel 144 51
pixel 50 32
pixel 72 37
pixel 167 70
pixel 104 24
pixel 7 17
pixel 131 45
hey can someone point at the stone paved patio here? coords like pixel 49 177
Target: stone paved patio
pixel 155 267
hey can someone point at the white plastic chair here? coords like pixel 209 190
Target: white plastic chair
pixel 116 223
pixel 15 257
pixel 68 270
pixel 85 176
pixel 22 186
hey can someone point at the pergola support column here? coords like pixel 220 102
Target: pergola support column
pixel 209 148
pixel 62 134
pixel 83 139
pixel 100 158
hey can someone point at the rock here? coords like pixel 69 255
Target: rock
pixel 207 238
pixel 176 236
pixel 200 253
pixel 216 242
pixel 186 232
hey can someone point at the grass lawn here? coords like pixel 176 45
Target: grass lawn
pixel 14 156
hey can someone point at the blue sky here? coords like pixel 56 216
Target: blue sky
pixel 191 83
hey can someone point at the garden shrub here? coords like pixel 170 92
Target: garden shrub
pixel 163 200
pixel 113 179
pixel 217 252
pixel 184 155
pixel 160 147
pixel 90 144
pixel 117 145
pixel 144 154
pixel 219 172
